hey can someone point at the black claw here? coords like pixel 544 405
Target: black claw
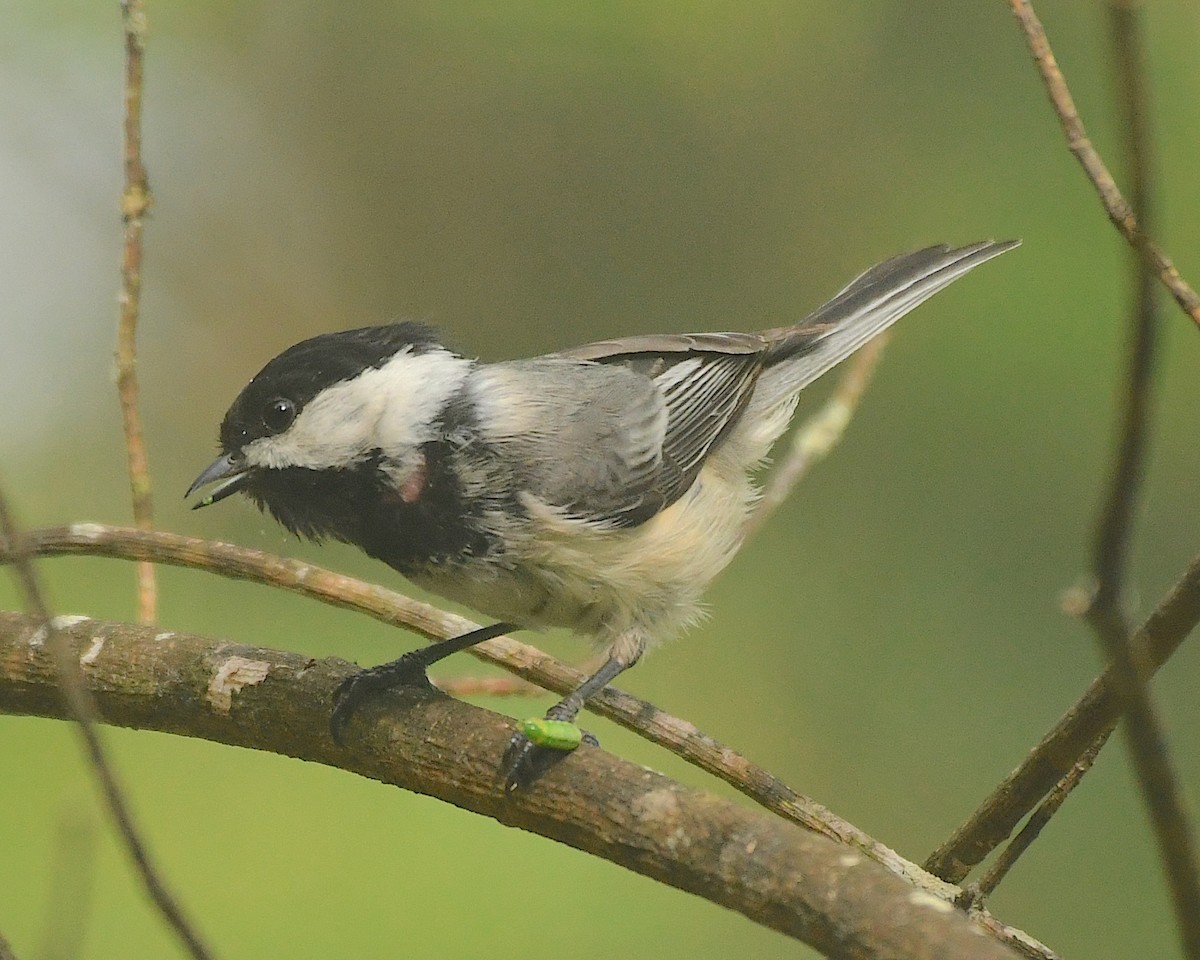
pixel 362 686
pixel 524 762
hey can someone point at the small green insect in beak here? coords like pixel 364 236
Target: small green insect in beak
pixel 555 734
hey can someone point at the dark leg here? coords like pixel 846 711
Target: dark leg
pixel 525 762
pixel 409 670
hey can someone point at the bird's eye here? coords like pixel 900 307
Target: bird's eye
pixel 278 414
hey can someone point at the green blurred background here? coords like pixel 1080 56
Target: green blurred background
pixel 534 175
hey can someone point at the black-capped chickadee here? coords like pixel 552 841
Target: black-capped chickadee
pixel 600 488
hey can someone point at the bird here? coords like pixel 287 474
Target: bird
pixel 599 488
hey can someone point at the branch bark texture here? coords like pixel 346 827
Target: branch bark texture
pixel 775 873
pixel 527 662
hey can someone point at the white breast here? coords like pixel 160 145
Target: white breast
pixel 606 581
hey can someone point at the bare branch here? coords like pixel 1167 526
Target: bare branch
pixel 1115 524
pixel 1123 686
pixel 527 662
pixel 674 734
pixel 504 686
pixel 1159 787
pixel 1105 612
pixel 1119 212
pixel 780 876
pixel 1093 714
pixel 77 704
pixel 135 202
pixel 819 434
pixel 487 687
pixel 1035 824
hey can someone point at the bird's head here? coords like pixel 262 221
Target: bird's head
pixel 329 414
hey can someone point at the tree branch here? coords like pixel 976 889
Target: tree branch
pixel 1093 714
pixel 1119 212
pixel 1034 825
pixel 785 878
pixel 1122 687
pixel 674 734
pixel 135 202
pixel 527 662
pixel 1105 610
pixel 76 703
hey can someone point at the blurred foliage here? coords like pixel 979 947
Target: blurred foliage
pixel 532 175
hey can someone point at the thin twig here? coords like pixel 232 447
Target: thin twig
pixel 1105 612
pixel 135 202
pixel 1119 212
pixel 819 434
pixel 1103 608
pixel 1094 713
pixel 504 686
pixel 672 733
pixel 82 708
pixel 1035 824
pixel 487 687
pixel 1115 525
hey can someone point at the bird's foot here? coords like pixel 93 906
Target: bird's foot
pixel 539 744
pixel 355 690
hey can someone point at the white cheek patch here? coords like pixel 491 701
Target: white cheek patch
pixel 332 429
pixel 391 408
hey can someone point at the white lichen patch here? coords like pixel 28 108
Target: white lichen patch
pixel 65 622
pixel 231 676
pixel 87 531
pixel 656 806
pixel 659 809
pixel 163 637
pixel 89 657
pixel 849 860
pixel 919 898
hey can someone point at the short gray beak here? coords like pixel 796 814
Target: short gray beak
pixel 223 468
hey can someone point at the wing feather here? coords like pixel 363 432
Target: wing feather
pixel 635 419
pixel 703 393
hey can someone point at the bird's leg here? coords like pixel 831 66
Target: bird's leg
pixel 524 762
pixel 408 670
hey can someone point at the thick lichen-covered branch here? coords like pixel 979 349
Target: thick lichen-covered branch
pixel 525 661
pixel 772 871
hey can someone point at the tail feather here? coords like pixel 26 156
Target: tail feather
pixel 866 307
